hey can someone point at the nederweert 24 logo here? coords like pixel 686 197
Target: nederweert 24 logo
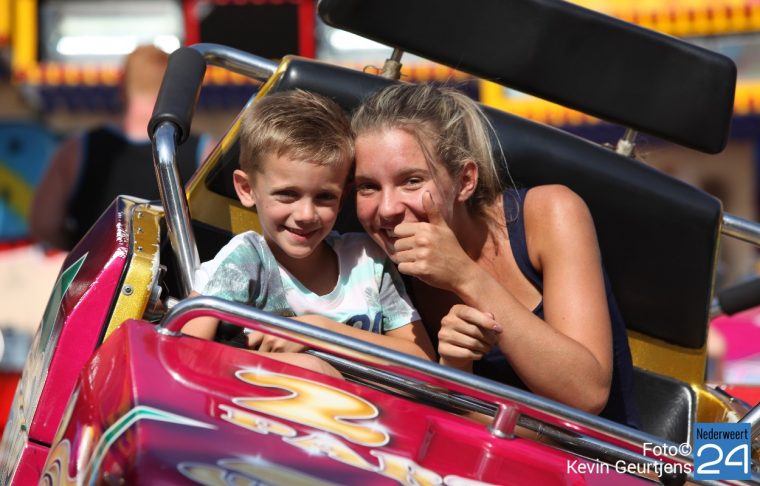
pixel 722 451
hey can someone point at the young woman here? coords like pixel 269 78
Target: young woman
pixel 510 280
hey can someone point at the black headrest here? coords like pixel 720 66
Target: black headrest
pixel 658 235
pixel 561 52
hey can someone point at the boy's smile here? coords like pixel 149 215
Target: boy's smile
pixel 297 203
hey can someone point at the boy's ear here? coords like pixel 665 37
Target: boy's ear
pixel 468 181
pixel 243 188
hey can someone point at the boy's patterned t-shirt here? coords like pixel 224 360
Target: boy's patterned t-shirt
pixel 369 294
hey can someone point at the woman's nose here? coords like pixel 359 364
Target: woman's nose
pixel 391 206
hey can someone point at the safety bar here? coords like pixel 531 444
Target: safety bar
pixel 170 126
pixel 174 201
pixel 740 228
pixel 753 419
pixel 478 387
pixel 745 295
pixel 736 298
pixel 237 61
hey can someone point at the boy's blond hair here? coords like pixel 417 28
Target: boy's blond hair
pixel 301 125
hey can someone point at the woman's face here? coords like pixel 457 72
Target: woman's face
pixel 391 177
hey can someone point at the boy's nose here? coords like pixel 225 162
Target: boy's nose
pixel 306 212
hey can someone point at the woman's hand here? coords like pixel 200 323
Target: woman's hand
pixel 266 343
pixel 466 334
pixel 430 251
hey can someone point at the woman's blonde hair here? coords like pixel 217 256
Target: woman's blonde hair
pixel 298 124
pixel 449 126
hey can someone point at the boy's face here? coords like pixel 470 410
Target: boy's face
pixel 297 202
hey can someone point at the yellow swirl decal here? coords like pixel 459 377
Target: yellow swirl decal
pixel 325 408
pixel 315 405
pixel 256 423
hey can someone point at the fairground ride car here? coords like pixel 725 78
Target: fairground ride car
pixel 110 397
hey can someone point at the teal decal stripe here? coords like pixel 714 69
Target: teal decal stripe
pixel 60 288
pixel 141 412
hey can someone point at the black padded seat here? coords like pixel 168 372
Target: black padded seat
pixel 564 53
pixel 667 406
pixel 658 235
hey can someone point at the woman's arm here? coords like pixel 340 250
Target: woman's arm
pixel 567 356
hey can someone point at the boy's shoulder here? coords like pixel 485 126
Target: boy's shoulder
pixel 247 243
pixel 246 238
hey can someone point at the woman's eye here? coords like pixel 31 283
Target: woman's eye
pixel 413 181
pixel 365 188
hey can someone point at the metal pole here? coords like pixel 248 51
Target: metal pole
pixel 237 61
pixel 175 204
pixel 392 66
pixel 626 144
pixel 740 228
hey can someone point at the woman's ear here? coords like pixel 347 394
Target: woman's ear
pixel 468 181
pixel 243 188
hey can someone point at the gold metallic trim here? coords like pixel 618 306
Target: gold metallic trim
pixel 711 407
pixel 668 359
pixel 214 209
pixel 142 265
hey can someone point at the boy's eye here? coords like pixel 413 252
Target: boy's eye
pixel 327 197
pixel 286 195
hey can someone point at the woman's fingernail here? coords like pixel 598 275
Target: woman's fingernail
pixel 497 328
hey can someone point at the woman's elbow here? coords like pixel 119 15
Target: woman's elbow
pixel 598 401
pixel 594 398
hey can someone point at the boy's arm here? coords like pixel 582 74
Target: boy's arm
pixel 202 327
pixel 410 339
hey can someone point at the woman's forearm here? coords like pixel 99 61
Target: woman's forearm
pixel 541 355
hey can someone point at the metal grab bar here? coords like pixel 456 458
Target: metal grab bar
pixel 165 141
pixel 553 414
pixel 740 228
pixel 237 61
pixel 174 201
pixel 753 419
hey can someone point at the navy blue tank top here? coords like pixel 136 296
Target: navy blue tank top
pixel 621 406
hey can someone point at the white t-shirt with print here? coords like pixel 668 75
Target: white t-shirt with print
pixel 369 294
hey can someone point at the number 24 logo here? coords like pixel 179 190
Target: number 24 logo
pixel 704 468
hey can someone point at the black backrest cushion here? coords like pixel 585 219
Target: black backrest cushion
pixel 666 406
pixel 565 53
pixel 658 235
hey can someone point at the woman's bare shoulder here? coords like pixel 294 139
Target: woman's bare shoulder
pixel 555 216
pixel 553 200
